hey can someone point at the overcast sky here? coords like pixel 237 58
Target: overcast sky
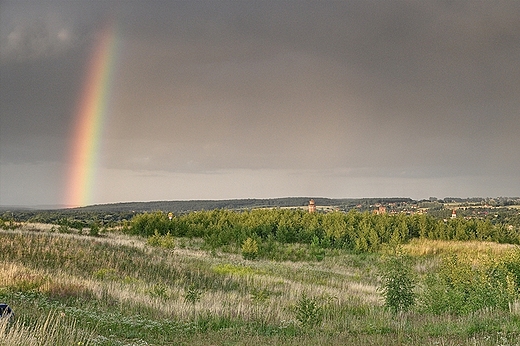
pixel 259 99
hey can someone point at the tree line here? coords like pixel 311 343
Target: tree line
pixel 354 230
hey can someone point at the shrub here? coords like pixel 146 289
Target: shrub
pixel 192 297
pixel 398 282
pixel 64 229
pixel 463 285
pixel 250 249
pixel 318 252
pixel 166 241
pixel 94 229
pixel 308 311
pixel 148 224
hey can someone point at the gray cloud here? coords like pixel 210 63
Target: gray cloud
pixel 359 91
pixel 35 41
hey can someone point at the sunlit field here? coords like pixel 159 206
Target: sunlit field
pixel 116 289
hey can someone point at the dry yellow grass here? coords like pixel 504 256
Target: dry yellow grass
pixel 423 247
pixel 285 282
pixel 17 275
pixel 49 330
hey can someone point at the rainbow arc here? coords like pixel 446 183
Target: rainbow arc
pixel 90 117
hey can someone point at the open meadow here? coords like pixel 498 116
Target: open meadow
pixel 71 288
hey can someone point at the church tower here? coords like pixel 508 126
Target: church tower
pixel 312 206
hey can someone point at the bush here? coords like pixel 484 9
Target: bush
pixel 166 241
pixel 398 282
pixel 308 311
pixel 94 229
pixel 318 252
pixel 148 224
pixel 463 285
pixel 250 249
pixel 64 229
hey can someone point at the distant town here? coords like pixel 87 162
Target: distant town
pixel 497 209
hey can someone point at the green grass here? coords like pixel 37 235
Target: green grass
pixel 118 290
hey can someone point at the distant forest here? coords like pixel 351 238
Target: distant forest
pixel 497 211
pixel 235 204
pixel 361 225
pixel 116 212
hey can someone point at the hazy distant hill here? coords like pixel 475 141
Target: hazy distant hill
pixel 191 205
pixel 125 211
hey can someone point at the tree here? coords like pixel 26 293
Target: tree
pixel 398 282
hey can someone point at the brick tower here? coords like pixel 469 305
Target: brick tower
pixel 312 206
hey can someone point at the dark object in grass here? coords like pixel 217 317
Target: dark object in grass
pixel 6 311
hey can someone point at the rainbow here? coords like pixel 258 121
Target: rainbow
pixel 92 110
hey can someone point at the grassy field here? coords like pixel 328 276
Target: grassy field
pixel 72 289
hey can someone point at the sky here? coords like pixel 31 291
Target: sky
pixel 262 99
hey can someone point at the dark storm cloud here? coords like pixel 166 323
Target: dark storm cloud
pixel 410 71
pixel 349 89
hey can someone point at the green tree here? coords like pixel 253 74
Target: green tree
pixel 398 282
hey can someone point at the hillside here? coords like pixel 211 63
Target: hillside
pixel 115 290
